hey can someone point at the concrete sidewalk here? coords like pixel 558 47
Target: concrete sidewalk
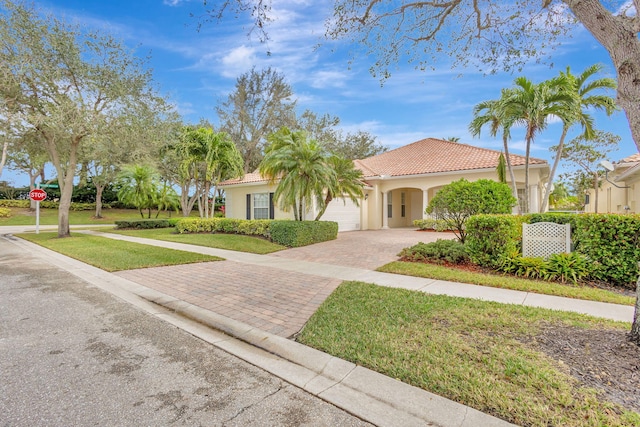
pixel 438 287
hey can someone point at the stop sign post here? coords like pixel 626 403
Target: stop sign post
pixel 37 195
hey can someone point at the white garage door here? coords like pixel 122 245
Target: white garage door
pixel 346 214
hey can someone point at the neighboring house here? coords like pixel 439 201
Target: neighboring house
pixel 621 193
pixel 398 185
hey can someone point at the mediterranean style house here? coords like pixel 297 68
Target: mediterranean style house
pixel 620 193
pixel 398 185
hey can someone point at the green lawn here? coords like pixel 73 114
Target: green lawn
pixel 481 354
pixel 233 242
pixel 21 216
pixel 114 255
pixel 439 272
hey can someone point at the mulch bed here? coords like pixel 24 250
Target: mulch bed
pixel 603 359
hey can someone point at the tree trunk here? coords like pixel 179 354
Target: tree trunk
pixel 634 335
pixel 3 158
pixel 99 190
pixel 514 186
pixel 556 161
pixel 526 175
pixel 595 192
pixel 619 35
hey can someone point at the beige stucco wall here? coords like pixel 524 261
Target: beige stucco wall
pixel 614 200
pixel 420 189
pixel 235 200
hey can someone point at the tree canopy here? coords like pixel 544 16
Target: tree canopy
pixel 68 84
pixel 489 35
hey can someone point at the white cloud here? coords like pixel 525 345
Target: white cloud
pixel 238 61
pixel 173 2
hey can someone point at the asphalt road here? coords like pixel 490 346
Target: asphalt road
pixel 73 355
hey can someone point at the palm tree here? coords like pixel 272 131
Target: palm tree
pixel 300 167
pixel 347 182
pixel 494 114
pixel 574 112
pixel 139 187
pixel 531 105
pixel 222 161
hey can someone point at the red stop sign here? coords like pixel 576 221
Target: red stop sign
pixel 37 195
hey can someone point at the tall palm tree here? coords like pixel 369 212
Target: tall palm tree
pixel 494 113
pixel 300 167
pixel 346 182
pixel 574 111
pixel 222 161
pixel 531 105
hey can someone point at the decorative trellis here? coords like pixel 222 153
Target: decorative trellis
pixel 542 239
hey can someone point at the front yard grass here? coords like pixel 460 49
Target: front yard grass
pixel 24 216
pixel 114 255
pixel 233 242
pixel 481 354
pixel 439 272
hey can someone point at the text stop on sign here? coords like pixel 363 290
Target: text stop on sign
pixel 37 195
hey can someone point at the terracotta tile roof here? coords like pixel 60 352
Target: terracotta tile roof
pixel 631 159
pixel 426 156
pixel 433 155
pixel 248 178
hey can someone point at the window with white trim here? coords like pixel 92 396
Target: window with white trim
pixel 261 206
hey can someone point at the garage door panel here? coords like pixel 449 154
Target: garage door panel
pixel 346 214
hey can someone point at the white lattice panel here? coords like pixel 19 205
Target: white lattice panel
pixel 542 239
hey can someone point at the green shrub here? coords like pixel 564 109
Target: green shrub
pixel 48 204
pixel 302 233
pixel 5 212
pixel 144 224
pixel 492 237
pixel 613 243
pixel 440 251
pixel 14 203
pixel 256 227
pixel 456 202
pixel 529 267
pixel 563 267
pixel 572 267
pixel 431 224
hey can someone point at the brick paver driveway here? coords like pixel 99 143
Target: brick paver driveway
pixel 269 298
pixel 363 249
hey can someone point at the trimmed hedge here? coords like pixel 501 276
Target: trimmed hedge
pixel 437 252
pixel 610 241
pixel 146 224
pixel 490 238
pixel 5 213
pixel 613 243
pixel 302 233
pixel 257 227
pixel 431 224
pixel 284 232
pixel 46 204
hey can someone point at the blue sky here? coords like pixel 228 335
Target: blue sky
pixel 197 70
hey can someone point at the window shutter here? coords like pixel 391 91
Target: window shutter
pixel 271 209
pixel 248 206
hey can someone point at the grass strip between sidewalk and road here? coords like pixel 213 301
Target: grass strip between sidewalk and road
pixel 114 255
pixel 439 272
pixel 232 242
pixel 481 354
